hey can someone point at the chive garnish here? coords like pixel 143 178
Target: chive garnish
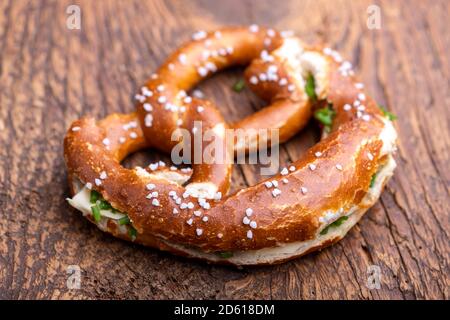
pixel 310 88
pixel 325 116
pixel 335 224
pixel 104 205
pixel 132 233
pixel 225 254
pixel 372 180
pixel 239 85
pixel 387 113
pixel 94 196
pixel 96 213
pixel 124 220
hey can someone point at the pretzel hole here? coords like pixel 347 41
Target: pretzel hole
pixel 235 106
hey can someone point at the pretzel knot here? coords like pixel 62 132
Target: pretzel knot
pixel 308 205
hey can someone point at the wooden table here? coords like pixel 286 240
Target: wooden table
pixel 51 75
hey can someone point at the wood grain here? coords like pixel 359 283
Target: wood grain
pixel 50 76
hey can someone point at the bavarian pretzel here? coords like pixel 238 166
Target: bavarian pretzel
pixel 309 205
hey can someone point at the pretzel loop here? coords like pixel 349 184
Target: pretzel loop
pixel 166 91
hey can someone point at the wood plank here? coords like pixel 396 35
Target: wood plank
pixel 50 76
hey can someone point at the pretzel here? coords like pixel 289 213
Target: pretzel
pixel 309 205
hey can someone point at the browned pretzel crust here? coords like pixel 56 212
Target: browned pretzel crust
pixel 332 178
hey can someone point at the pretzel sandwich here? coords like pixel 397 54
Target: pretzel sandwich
pixel 307 206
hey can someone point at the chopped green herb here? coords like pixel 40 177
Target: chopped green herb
pixel 325 116
pixel 225 254
pixel 104 205
pixel 94 196
pixel 372 180
pixel 132 233
pixel 96 213
pixel 310 88
pixel 124 220
pixel 239 85
pixel 335 224
pixel 387 113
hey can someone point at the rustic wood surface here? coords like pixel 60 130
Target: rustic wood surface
pixel 50 76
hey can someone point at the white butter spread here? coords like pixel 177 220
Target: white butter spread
pixel 302 63
pixel 314 63
pixel 81 201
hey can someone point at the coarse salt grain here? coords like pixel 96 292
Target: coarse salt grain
pixel 254 28
pixel 148 107
pixel 199 35
pixel 283 82
pixel 197 213
pixel 148 120
pixel 202 71
pixel 182 58
pixel 276 192
pixel 162 99
pixel 106 142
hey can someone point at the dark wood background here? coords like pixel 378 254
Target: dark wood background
pixel 50 76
